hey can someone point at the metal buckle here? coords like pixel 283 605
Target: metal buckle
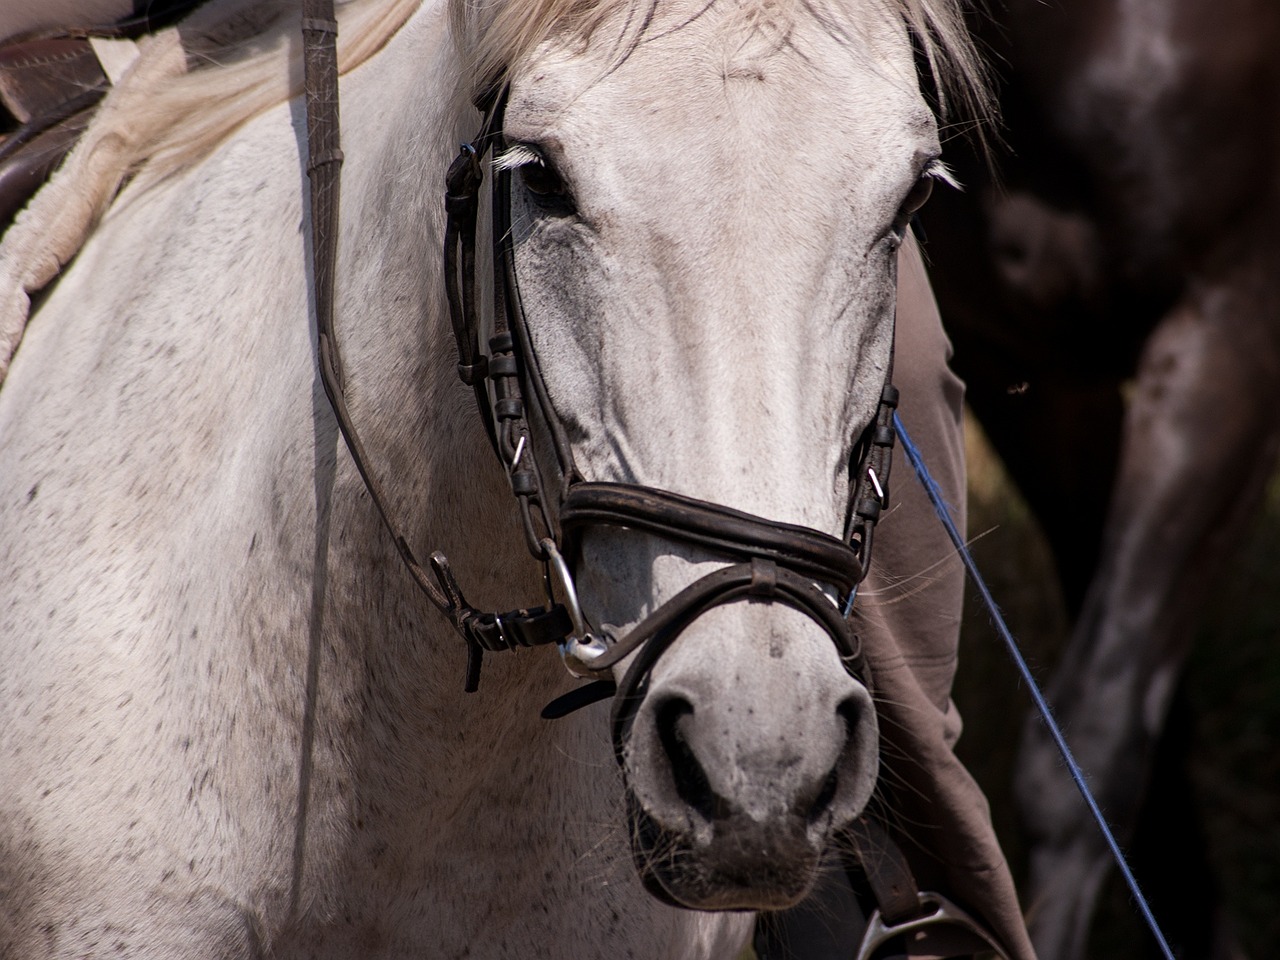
pixel 581 647
pixel 941 930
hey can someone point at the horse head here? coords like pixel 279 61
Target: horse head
pixel 700 222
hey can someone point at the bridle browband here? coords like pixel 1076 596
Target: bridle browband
pixel 770 561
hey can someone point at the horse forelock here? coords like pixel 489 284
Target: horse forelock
pixel 495 38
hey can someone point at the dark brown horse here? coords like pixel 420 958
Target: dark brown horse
pixel 1115 304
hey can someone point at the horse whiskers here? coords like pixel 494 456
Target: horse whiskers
pixel 948 559
pixel 896 755
pixel 888 718
pixel 898 784
pixel 583 762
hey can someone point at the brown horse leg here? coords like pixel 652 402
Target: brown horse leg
pixel 1200 440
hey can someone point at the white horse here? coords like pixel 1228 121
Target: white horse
pixel 229 725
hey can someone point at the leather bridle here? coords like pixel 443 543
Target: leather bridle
pixel 773 562
pixel 770 561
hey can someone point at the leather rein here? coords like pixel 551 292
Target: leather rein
pixel 772 561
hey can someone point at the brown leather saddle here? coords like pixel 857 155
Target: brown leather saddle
pixel 50 86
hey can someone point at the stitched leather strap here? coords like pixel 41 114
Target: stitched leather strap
pixel 38 77
pixel 719 528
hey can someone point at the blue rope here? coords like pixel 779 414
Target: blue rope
pixel 939 504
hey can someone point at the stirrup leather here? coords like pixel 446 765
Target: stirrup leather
pixel 908 921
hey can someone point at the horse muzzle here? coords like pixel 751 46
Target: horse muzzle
pixel 742 753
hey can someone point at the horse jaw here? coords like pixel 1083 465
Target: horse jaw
pixel 725 343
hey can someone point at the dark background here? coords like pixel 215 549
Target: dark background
pixel 1230 739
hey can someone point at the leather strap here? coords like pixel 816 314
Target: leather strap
pixel 719 528
pixel 50 85
pixel 324 161
pixel 908 921
pixel 759 578
pixel 51 88
pixel 29 157
pixel 158 15
pixel 462 205
pixel 886 870
pixel 38 77
pixel 481 631
pixel 869 489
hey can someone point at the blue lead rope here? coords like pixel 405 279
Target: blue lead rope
pixel 1042 705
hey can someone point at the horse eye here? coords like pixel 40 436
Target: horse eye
pixel 916 198
pixel 543 181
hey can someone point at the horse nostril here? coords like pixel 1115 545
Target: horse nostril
pixel 850 711
pixel 692 786
pixel 818 806
pixel 814 803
